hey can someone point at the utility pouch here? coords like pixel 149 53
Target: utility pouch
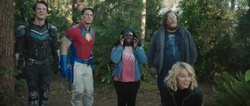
pixel 46 62
pixel 30 62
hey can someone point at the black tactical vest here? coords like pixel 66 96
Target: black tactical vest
pixel 37 45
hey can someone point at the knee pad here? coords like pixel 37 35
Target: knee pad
pixel 33 95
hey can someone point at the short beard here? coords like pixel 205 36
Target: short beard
pixel 172 28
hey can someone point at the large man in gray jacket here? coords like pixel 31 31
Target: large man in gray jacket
pixel 170 44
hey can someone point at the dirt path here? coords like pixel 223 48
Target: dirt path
pixel 59 95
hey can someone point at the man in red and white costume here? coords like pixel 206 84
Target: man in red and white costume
pixel 80 38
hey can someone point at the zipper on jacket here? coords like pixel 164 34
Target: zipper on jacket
pixel 185 98
pixel 172 96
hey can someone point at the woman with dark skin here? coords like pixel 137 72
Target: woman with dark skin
pixel 127 55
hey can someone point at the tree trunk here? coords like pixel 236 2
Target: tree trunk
pixel 232 4
pixel 73 10
pixel 77 6
pixel 7 52
pixel 143 22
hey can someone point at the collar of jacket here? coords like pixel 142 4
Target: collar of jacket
pixel 30 21
pixel 180 29
pixel 172 92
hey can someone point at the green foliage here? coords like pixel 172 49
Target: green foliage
pixel 213 27
pixel 241 39
pixel 232 91
pixel 27 4
pixel 3 90
pixel 247 76
pixel 199 17
pixel 147 86
pixel 58 17
pixel 153 18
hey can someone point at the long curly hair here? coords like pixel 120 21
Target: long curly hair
pixel 171 79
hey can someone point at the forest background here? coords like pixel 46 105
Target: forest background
pixel 220 29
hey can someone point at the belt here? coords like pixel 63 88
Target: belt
pixel 75 59
pixel 39 62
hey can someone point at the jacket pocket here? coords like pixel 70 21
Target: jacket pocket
pixel 156 60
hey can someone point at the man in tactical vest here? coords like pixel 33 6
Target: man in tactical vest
pixel 34 40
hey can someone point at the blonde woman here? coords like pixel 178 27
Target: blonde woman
pixel 180 88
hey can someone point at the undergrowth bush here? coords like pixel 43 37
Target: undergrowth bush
pixel 231 91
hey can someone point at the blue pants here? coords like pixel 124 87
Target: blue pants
pixel 160 82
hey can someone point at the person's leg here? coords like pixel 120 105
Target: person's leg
pixel 32 79
pixel 120 91
pixel 44 84
pixel 78 87
pixel 134 86
pixel 160 81
pixel 88 85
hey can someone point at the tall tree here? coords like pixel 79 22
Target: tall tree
pixel 7 51
pixel 233 4
pixel 143 22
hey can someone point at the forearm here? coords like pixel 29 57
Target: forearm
pixel 192 51
pixel 64 51
pixel 151 53
pixel 56 55
pixel 116 54
pixel 19 51
pixel 65 46
pixel 142 58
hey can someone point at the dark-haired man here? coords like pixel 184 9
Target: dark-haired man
pixel 35 39
pixel 170 44
pixel 80 38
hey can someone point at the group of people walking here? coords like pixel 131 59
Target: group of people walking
pixel 170 56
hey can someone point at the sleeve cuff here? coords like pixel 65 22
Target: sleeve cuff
pixel 67 36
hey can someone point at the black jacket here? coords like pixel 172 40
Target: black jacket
pixel 191 97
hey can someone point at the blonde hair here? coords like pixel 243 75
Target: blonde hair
pixel 173 73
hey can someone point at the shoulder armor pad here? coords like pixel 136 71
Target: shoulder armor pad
pixel 52 29
pixel 21 30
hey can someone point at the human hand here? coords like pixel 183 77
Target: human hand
pixel 21 73
pixel 56 69
pixel 121 40
pixel 64 71
pixel 135 44
pixel 153 70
